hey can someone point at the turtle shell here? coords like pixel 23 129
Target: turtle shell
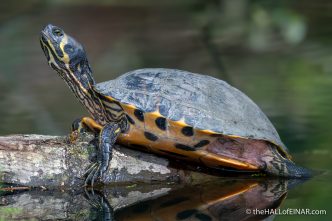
pixel 201 101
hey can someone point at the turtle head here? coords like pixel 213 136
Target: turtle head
pixel 66 56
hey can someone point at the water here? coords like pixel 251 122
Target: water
pixel 279 54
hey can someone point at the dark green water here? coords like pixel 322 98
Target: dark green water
pixel 279 54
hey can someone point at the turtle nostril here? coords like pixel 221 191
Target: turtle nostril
pixel 57 32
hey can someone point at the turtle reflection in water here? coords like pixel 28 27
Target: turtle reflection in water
pixel 172 112
pixel 225 200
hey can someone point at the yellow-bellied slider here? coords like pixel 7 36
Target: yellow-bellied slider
pixel 181 114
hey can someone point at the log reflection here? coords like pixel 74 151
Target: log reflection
pixel 227 199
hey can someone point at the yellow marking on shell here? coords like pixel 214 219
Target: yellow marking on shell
pixel 173 135
pixel 213 160
pixel 175 130
pixel 155 114
pixel 129 109
pixel 208 131
pixel 235 136
pixel 150 123
pixel 167 142
pixel 110 98
pixel 181 122
pixel 136 136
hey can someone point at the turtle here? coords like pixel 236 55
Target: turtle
pixel 176 113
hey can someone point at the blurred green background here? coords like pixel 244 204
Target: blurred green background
pixel 278 52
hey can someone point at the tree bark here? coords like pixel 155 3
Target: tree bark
pixel 53 162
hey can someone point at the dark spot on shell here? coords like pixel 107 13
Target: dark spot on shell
pixel 130 120
pixel 203 217
pixel 184 147
pixel 172 153
pixel 161 123
pixel 186 214
pixel 202 143
pixel 150 136
pixel 139 115
pixel 187 131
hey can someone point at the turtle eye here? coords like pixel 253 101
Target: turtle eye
pixel 57 32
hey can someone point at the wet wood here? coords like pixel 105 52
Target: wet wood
pixel 53 161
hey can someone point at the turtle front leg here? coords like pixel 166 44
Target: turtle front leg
pixel 83 124
pixel 107 137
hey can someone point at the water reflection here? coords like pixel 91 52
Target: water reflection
pixel 227 199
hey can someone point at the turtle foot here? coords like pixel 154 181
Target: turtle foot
pixel 92 174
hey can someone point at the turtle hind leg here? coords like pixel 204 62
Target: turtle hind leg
pixel 277 165
pixel 107 137
pixel 253 155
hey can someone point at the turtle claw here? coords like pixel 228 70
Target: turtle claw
pixel 90 174
pixel 73 136
pixel 87 172
pixel 95 175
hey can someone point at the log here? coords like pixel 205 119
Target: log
pixel 55 162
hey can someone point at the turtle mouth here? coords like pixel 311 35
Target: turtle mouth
pixel 43 37
pixel 44 44
pixel 44 40
pixel 45 33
